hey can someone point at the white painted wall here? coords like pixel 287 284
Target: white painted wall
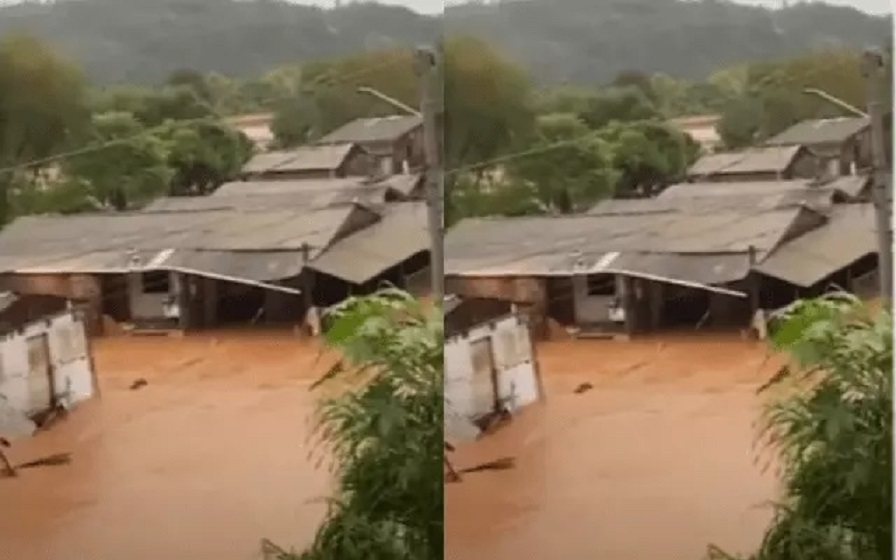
pixel 68 355
pixel 514 360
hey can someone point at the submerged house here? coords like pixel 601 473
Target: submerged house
pixel 644 265
pixel 490 362
pixel 45 358
pixel 200 262
pixel 768 163
pixel 394 142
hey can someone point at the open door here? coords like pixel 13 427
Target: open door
pixel 40 374
pixel 484 380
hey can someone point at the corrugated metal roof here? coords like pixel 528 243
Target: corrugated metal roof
pixel 267 195
pixel 563 245
pixel 853 186
pixel 710 197
pixel 400 234
pixel 707 270
pixel 303 158
pixel 403 183
pixel 373 130
pixel 848 236
pixel 115 242
pixel 772 159
pixel 819 131
pixel 259 266
pixel 699 189
pixel 243 188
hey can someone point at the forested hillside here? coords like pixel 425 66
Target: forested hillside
pixel 580 41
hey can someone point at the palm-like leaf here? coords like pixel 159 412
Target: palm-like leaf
pixel 830 421
pixel 384 433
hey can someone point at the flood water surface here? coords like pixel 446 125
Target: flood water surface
pixel 204 461
pixel 212 455
pixel 655 461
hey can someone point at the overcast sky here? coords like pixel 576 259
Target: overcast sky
pixel 435 6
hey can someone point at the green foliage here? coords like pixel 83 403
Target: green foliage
pixel 589 43
pixel 830 420
pixel 41 106
pixel 487 102
pixel 70 196
pixel 152 107
pixel 772 93
pixel 649 156
pixel 567 177
pixel 472 196
pixel 327 95
pixel 573 41
pixel 384 432
pixel 618 104
pixel 203 155
pixel 129 170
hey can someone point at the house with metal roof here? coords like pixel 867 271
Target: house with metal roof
pixel 309 162
pixel 655 264
pixel 764 194
pixel 843 144
pixel 395 141
pixel 195 268
pixel 768 163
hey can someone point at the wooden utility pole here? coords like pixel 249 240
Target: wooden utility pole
pixel 427 66
pixel 873 67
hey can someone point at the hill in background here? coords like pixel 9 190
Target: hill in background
pixel 576 41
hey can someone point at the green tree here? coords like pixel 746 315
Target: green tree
pixel 773 94
pixel 637 80
pixel 297 121
pixel 648 156
pixel 469 198
pixel 42 107
pixel 203 155
pixel 570 167
pixel 618 104
pixel 741 122
pixel 487 100
pixel 128 165
pixel 152 107
pixel 564 99
pixel 830 421
pixel 384 433
pixel 195 81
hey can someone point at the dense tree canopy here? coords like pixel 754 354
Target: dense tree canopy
pixel 41 107
pixel 129 170
pixel 576 41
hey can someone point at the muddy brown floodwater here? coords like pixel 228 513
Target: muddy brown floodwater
pixel 203 462
pixel 655 462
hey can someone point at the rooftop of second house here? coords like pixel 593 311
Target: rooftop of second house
pixel 765 159
pixel 373 130
pixel 820 131
pixel 302 158
pixel 305 193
